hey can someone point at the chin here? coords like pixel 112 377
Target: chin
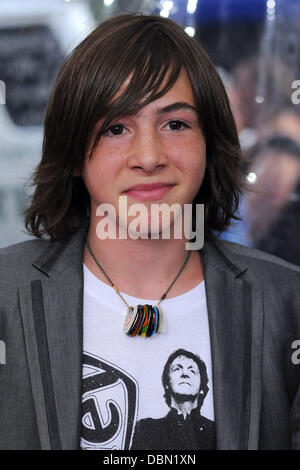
pixel 183 397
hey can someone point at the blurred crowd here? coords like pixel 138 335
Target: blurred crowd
pixel 268 123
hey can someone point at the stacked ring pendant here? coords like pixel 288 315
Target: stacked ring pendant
pixel 141 320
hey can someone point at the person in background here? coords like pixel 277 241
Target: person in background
pixel 274 172
pixel 283 236
pixel 282 121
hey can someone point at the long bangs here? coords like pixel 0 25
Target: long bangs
pixel 152 73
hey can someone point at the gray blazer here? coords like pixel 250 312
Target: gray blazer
pixel 254 315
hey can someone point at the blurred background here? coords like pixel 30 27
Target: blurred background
pixel 255 44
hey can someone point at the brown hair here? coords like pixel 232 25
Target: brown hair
pixel 148 47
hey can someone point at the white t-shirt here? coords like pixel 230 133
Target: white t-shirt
pixel 123 395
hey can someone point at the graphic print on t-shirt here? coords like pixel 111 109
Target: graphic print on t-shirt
pixel 126 402
pixel 110 407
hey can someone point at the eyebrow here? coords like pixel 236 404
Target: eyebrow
pixel 180 365
pixel 177 106
pixel 167 109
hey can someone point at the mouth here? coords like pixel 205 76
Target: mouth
pixel 149 192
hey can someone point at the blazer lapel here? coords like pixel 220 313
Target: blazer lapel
pixel 32 345
pixel 235 319
pixel 51 308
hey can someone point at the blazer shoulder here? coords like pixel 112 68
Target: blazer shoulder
pixel 27 249
pixel 16 260
pixel 258 262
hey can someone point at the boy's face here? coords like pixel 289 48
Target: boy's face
pixel 157 145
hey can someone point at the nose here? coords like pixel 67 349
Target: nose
pixel 184 374
pixel 147 152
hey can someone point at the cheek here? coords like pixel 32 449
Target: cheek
pixel 173 378
pixel 191 158
pixel 100 169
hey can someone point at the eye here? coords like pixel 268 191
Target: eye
pixel 176 125
pixel 116 129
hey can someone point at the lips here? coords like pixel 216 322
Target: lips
pixel 149 192
pixel 148 187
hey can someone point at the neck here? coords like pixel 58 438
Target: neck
pixel 144 267
pixel 184 407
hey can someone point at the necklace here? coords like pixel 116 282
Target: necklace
pixel 143 320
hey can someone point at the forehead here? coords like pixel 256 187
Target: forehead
pixel 183 360
pixel 180 91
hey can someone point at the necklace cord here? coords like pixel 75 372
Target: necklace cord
pixel 115 287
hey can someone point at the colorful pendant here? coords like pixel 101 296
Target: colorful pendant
pixel 144 320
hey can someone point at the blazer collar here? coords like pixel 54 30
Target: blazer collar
pixel 235 320
pixel 217 254
pixel 59 256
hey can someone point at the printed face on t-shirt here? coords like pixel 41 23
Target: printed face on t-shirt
pixel 184 376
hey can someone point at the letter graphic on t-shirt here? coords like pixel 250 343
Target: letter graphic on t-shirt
pixel 109 405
